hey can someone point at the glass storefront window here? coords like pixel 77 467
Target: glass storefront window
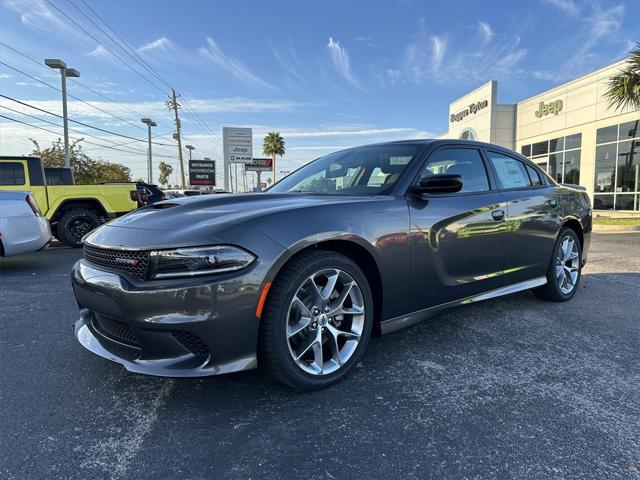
pixel 626 202
pixel 555 166
pixel 540 148
pixel 556 145
pixel 607 134
pixel 605 173
pixel 603 202
pixel 526 150
pixel 572 167
pixel 628 166
pixel 629 130
pixel 573 141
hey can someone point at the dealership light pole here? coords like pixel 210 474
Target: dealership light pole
pixel 150 123
pixel 190 148
pixel 65 72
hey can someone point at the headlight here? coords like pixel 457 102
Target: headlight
pixel 189 262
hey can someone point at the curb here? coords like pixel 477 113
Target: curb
pixel 615 228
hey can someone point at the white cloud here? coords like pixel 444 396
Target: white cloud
pixel 231 65
pixel 485 31
pixel 38 15
pixel 567 6
pixel 4 76
pixel 286 65
pixel 161 44
pixel 340 58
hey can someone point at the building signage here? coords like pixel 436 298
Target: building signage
pixel 237 144
pixel 471 109
pixel 202 172
pixel 259 165
pixel 545 109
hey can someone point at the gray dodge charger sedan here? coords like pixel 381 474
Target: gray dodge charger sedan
pixel 295 280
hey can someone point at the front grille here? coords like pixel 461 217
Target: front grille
pixel 135 263
pixel 192 343
pixel 116 330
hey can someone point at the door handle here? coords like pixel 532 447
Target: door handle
pixel 498 215
pixel 553 203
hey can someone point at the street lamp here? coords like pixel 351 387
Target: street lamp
pixel 190 148
pixel 65 72
pixel 150 123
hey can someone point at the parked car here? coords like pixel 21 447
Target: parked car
pixel 23 229
pixel 366 240
pixel 72 210
pixel 189 193
pixel 151 192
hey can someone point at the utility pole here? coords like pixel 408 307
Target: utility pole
pixel 173 105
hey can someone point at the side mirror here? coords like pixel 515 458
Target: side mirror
pixel 444 183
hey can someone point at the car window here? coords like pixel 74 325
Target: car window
pixel 536 181
pixel 369 170
pixel 511 172
pixel 466 162
pixel 11 173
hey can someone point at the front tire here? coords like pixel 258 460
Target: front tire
pixel 565 268
pixel 317 321
pixel 75 224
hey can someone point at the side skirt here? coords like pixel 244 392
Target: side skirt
pixel 403 321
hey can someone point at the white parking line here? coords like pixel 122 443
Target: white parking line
pixel 114 453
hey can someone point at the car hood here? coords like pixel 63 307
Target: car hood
pixel 189 219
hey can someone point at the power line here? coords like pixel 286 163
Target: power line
pixel 59 134
pixel 106 48
pixel 75 81
pixel 85 124
pixel 71 96
pixel 135 55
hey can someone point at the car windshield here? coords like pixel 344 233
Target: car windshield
pixel 367 170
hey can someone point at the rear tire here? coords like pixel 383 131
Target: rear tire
pixel 565 268
pixel 75 224
pixel 317 321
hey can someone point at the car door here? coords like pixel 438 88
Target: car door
pixel 533 215
pixel 458 240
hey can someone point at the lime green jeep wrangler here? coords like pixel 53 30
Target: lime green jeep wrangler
pixel 72 210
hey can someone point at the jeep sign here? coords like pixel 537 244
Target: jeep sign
pixel 545 109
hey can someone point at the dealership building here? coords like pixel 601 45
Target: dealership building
pixel 570 131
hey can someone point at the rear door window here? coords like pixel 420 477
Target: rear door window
pixel 11 173
pixel 511 173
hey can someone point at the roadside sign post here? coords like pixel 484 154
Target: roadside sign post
pixel 237 146
pixel 259 165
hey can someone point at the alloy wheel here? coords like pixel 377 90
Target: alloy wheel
pixel 325 321
pixel 567 265
pixel 79 227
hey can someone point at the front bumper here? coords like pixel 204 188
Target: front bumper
pixel 172 328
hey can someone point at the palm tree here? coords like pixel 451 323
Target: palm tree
pixel 624 88
pixel 273 144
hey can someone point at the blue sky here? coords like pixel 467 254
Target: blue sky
pixel 327 75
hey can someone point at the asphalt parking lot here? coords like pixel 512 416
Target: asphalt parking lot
pixel 511 388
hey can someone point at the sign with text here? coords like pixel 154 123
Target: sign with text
pixel 471 109
pixel 237 144
pixel 202 172
pixel 259 165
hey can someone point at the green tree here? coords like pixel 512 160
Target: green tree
pixel 623 89
pixel 165 171
pixel 273 144
pixel 86 170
